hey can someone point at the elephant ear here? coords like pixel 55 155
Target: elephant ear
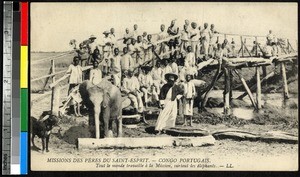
pixel 106 98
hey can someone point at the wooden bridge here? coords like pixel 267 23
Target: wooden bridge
pixel 226 67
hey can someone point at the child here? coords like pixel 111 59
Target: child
pixel 95 74
pixel 188 101
pixel 74 100
pixel 75 72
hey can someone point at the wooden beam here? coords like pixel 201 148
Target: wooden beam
pixel 242 46
pixel 247 89
pixel 54 57
pixel 55 101
pixel 258 89
pixel 253 87
pixel 226 93
pixel 256 44
pixel 285 86
pixel 230 84
pixel 144 142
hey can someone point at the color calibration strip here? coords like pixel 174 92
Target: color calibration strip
pixel 24 88
pixel 15 89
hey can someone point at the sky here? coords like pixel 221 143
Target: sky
pixel 53 25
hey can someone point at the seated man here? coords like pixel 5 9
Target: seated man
pixel 126 61
pixel 165 68
pixel 131 87
pixel 146 82
pixel 95 74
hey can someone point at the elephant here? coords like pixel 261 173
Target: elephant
pixel 106 102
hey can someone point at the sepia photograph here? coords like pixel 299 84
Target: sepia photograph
pixel 163 86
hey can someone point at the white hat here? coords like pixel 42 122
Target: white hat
pixel 92 37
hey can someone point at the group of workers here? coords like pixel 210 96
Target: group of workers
pixel 173 63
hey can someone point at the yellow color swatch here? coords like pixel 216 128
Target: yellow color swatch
pixel 24 67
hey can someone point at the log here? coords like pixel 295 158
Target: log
pixel 204 63
pixel 285 85
pixel 247 89
pixel 253 87
pixel 258 89
pixel 271 136
pixel 144 142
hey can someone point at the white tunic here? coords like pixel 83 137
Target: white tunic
pixel 75 74
pixel 167 117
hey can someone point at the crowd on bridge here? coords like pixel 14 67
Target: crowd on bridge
pixel 153 72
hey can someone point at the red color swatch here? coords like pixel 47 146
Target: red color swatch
pixel 24 23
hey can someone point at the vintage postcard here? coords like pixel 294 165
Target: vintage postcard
pixel 156 86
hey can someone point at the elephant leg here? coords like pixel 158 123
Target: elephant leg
pixel 106 118
pixel 97 121
pixel 119 127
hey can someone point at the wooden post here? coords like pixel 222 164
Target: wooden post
pixel 226 94
pixel 246 88
pixel 256 44
pixel 230 84
pixel 53 70
pixel 285 86
pixel 55 101
pixel 245 42
pixel 242 46
pixel 258 89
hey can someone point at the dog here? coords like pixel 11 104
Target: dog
pixel 42 128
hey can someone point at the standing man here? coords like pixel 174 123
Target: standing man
pixel 116 68
pixel 148 50
pixel 127 37
pixel 172 31
pixel 272 41
pixel 106 47
pixel 213 40
pixel 188 99
pixel 139 50
pixel 205 40
pixel 135 32
pixel 194 36
pixel 169 94
pixel 162 35
pixel 187 24
pixel 144 36
pixel 185 36
pixel 113 40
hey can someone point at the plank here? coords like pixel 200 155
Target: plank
pixel 144 142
